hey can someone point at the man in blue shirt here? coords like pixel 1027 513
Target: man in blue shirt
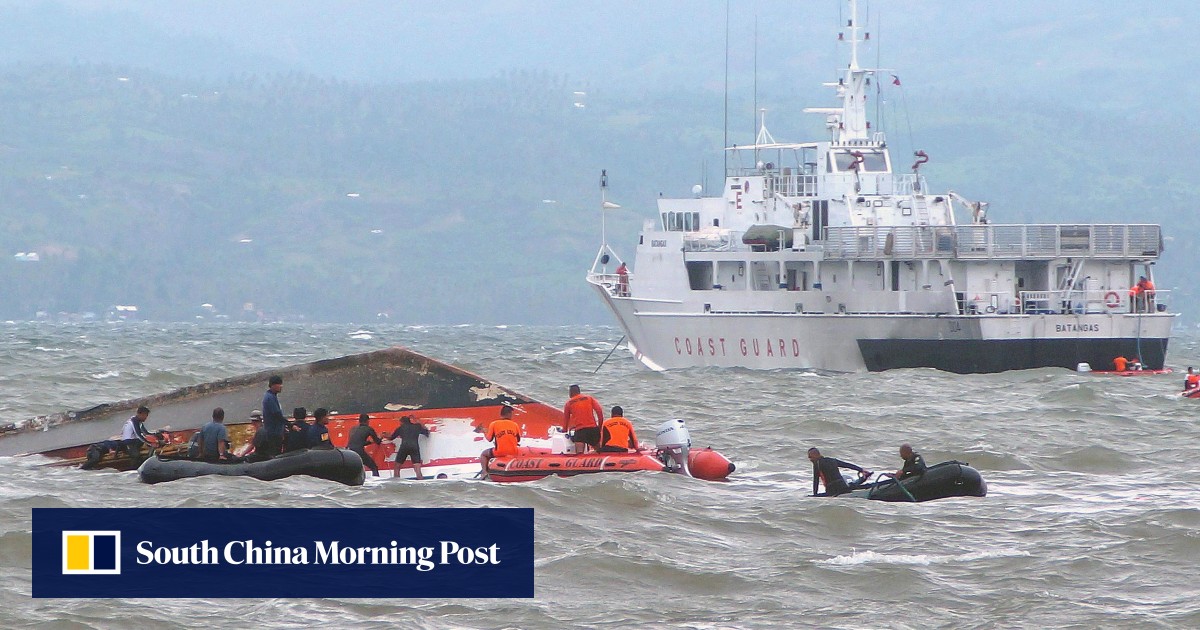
pixel 273 419
pixel 318 433
pixel 214 438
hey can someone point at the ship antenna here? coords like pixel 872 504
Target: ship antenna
pixel 754 113
pixel 725 144
pixel 853 34
pixel 603 207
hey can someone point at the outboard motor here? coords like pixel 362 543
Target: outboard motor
pixel 673 441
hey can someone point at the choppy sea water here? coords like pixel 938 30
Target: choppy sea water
pixel 1092 517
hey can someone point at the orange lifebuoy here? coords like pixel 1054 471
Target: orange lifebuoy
pixel 1112 299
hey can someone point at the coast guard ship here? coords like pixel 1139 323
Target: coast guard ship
pixel 825 255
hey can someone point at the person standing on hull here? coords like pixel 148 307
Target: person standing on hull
pixel 358 440
pixel 214 438
pixel 505 434
pixel 273 418
pixel 409 433
pixel 914 464
pixel 617 435
pixel 826 470
pixel 318 433
pixel 584 415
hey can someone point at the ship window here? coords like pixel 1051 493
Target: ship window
pixel 873 161
pixel 665 225
pixel 687 221
pixel 695 220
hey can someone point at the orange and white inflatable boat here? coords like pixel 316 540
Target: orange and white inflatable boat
pixel 672 453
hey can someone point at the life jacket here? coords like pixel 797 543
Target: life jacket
pixel 1120 363
pixel 580 412
pixel 620 432
pixel 506 434
pixel 1192 381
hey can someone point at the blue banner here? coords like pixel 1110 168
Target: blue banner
pixel 282 552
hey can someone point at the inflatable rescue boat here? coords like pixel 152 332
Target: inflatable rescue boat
pixel 672 453
pixel 334 464
pixel 940 481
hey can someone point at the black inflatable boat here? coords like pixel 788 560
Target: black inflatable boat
pixel 941 481
pixel 334 464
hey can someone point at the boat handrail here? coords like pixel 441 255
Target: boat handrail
pixel 1080 302
pixel 1001 241
pixel 616 285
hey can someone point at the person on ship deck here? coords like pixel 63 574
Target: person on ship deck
pixel 1141 296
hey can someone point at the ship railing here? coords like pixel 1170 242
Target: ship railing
pixel 792 185
pixel 1082 302
pixel 616 285
pixel 1010 242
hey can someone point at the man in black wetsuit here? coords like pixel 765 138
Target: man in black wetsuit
pixel 913 463
pixel 826 470
pixel 360 436
pixel 409 434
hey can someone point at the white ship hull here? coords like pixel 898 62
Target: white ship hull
pixel 663 337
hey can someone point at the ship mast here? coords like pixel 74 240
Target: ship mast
pixel 848 123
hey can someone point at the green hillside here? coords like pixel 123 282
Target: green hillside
pixel 455 201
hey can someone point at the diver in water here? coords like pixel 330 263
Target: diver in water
pixel 827 470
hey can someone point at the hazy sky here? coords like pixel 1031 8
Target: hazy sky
pixel 673 42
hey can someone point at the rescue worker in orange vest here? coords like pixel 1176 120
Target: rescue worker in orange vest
pixel 1191 381
pixel 1141 296
pixel 617 436
pixel 1120 364
pixel 506 435
pixel 583 414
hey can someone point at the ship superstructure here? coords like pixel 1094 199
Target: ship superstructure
pixel 823 255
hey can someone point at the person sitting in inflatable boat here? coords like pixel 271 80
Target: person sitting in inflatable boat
pixel 617 435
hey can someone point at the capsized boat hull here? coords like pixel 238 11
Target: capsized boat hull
pixel 941 481
pixel 333 464
pixel 386 384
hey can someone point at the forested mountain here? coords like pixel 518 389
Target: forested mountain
pixel 475 199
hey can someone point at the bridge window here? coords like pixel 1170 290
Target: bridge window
pixel 873 161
